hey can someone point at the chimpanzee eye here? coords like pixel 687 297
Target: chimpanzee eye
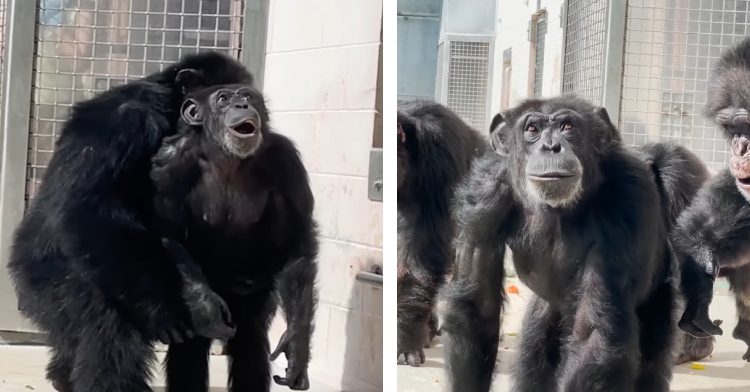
pixel 531 128
pixel 566 126
pixel 222 99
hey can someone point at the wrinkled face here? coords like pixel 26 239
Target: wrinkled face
pixel 554 174
pixel 231 116
pixel 736 122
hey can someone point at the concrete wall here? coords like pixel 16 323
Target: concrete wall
pixel 321 79
pixel 512 32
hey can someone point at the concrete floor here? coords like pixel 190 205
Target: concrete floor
pixel 725 371
pixel 22 369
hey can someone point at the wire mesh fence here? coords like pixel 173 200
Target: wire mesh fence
pixel 584 48
pixel 467 81
pixel 87 46
pixel 670 48
pixel 541 33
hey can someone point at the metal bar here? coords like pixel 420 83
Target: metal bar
pixel 370 278
pixel 564 25
pixel 614 46
pixel 18 66
pixel 254 33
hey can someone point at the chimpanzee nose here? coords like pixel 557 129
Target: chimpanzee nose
pixel 553 147
pixel 740 145
pixel 241 105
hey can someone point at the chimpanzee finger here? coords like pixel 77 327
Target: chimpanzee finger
pixel 281 347
pixel 279 380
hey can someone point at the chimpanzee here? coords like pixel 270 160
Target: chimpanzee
pixel 435 151
pixel 678 189
pixel 237 196
pixel 587 226
pixel 87 264
pixel 714 232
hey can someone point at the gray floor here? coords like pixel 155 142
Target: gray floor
pixel 724 371
pixel 22 370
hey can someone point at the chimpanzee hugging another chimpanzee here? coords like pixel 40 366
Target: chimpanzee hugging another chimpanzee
pixel 98 259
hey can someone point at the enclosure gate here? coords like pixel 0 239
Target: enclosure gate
pixel 58 52
pixel 653 59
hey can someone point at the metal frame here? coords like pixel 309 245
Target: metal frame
pixel 564 40
pixel 254 34
pixel 614 48
pixel 20 34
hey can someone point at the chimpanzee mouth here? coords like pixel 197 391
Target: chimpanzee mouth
pixel 551 176
pixel 744 182
pixel 246 128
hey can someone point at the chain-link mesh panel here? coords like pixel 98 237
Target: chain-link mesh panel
pixel 87 46
pixel 467 81
pixel 670 49
pixel 541 33
pixel 584 48
pixel 439 73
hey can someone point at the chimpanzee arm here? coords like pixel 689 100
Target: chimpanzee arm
pixel 175 171
pixel 603 333
pixel 475 297
pixel 296 282
pixel 98 171
pixel 714 231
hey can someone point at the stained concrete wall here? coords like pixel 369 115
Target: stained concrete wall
pixel 321 80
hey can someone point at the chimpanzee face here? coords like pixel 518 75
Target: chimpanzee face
pixel 233 116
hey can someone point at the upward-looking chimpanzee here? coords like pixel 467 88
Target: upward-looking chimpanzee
pixel 238 197
pixel 588 230
pixel 85 261
pixel 714 232
pixel 435 151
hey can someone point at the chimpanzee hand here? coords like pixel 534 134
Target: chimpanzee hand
pixel 296 349
pixel 209 313
pixel 176 334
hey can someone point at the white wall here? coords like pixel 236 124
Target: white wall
pixel 512 32
pixel 321 79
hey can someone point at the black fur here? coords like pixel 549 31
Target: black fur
pixel 249 217
pixel 86 265
pixel 435 151
pixel 599 261
pixel 714 232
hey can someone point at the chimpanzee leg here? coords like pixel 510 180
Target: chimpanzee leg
pixel 249 364
pixel 187 365
pixel 112 357
pixel 656 341
pixel 739 283
pixel 60 366
pixel 540 351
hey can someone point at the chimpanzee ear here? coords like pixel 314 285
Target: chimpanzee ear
pixel 401 134
pixel 190 113
pixel 498 134
pixel 189 80
pixel 497 120
pixel 601 112
pixel 610 133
